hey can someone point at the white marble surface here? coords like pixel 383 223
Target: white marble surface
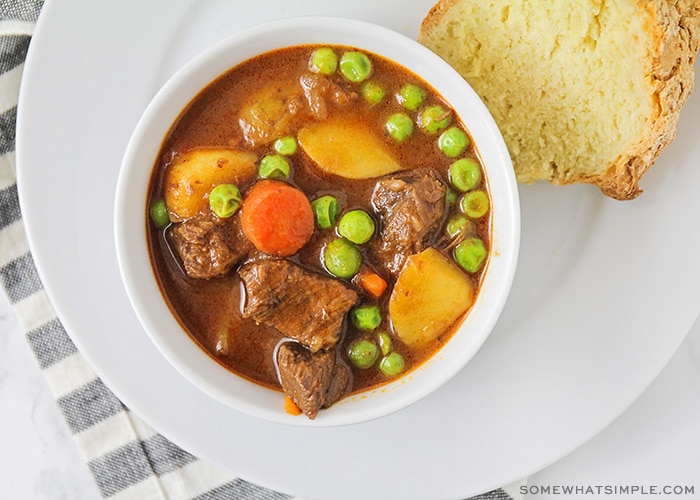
pixel 38 457
pixel 655 443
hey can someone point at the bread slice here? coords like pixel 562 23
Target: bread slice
pixel 582 90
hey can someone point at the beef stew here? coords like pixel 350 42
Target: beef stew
pixel 319 222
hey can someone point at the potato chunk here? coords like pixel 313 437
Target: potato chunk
pixel 269 114
pixel 191 175
pixel 430 294
pixel 347 148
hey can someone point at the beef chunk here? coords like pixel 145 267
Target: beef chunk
pixel 340 382
pixel 319 89
pixel 301 304
pixel 312 380
pixel 207 245
pixel 411 206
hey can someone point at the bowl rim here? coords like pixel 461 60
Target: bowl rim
pixel 133 257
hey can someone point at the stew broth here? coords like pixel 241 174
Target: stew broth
pixel 212 309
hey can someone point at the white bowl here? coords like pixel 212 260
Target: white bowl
pixel 130 224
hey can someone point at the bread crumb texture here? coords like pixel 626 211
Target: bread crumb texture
pixel 584 90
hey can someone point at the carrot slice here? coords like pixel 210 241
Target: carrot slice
pixel 373 284
pixel 290 406
pixel 277 218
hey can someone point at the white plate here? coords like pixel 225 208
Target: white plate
pixel 605 292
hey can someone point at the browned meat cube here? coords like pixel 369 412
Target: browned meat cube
pixel 207 245
pixel 312 380
pixel 410 206
pixel 300 304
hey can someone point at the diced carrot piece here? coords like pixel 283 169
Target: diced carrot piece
pixel 373 284
pixel 290 406
pixel 277 218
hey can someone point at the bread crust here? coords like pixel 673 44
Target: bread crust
pixel 674 27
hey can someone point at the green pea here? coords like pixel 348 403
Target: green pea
pixel 324 61
pixel 411 96
pixel 355 66
pixel 366 317
pixel 450 196
pixel 159 213
pixel 384 342
pixel 475 203
pixel 225 200
pixel 392 364
pixel 274 167
pixel 452 142
pixel 373 92
pixel 286 146
pixel 326 209
pixel 470 254
pixel 458 224
pixel 357 226
pixel 363 353
pixel 341 258
pixel 465 174
pixel 399 126
pixel 434 119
